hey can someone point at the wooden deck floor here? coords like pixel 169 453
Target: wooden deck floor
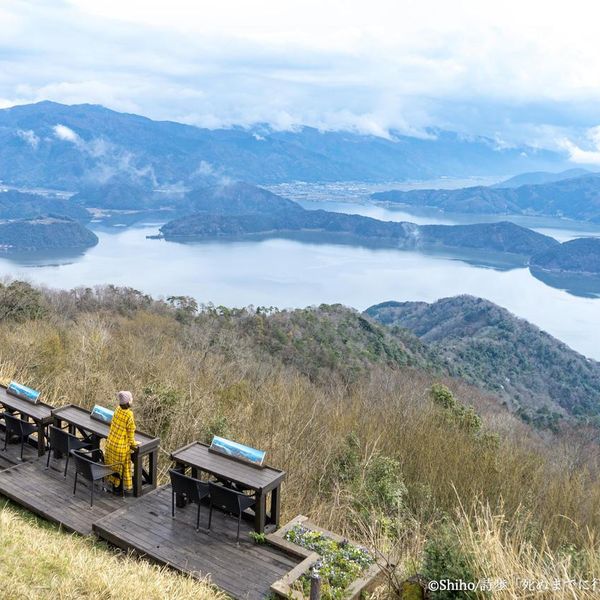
pixel 48 494
pixel 10 457
pixel 245 571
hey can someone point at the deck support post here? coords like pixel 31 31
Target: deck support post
pixel 315 586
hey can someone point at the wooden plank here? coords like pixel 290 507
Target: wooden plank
pixel 245 571
pixel 10 456
pixel 48 494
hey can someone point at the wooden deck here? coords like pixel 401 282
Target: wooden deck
pixel 245 571
pixel 48 494
pixel 10 458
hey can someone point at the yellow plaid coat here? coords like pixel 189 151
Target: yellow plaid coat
pixel 119 444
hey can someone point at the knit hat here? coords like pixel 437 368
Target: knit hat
pixel 124 398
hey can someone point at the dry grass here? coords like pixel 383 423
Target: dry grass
pixel 499 547
pixel 41 562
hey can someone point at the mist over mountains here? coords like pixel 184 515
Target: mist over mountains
pixel 65 147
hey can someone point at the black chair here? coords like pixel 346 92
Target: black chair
pixel 62 441
pixel 193 489
pixel 93 470
pixel 18 427
pixel 229 500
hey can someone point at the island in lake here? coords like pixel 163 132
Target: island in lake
pixel 44 233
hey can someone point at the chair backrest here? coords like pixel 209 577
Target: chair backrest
pixel 225 498
pixel 87 468
pixel 63 441
pixel 183 484
pixel 16 425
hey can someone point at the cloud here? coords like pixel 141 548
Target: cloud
pixel 589 155
pixel 515 72
pixel 64 133
pixel 30 137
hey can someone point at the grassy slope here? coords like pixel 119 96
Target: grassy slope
pixel 40 561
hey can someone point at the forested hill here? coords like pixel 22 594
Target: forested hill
pixel 44 233
pixel 575 256
pixel 488 346
pixel 575 198
pixel 19 205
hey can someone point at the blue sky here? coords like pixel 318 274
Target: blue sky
pixel 525 71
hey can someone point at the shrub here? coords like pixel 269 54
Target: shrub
pixel 444 559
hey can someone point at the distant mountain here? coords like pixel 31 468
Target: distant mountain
pixel 243 210
pixel 45 232
pixel 538 177
pixel 575 256
pixel 576 198
pixel 538 375
pixel 115 196
pixel 17 205
pixel 59 146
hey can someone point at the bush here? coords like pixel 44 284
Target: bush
pixel 444 559
pixel 20 302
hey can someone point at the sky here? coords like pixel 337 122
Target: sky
pixel 518 71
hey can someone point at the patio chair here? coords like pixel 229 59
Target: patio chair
pixel 229 500
pixel 193 489
pixel 62 441
pixel 93 470
pixel 18 427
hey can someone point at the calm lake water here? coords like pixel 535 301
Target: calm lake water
pixel 294 273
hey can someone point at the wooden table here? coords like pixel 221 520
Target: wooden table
pixel 40 414
pixel 78 420
pixel 261 480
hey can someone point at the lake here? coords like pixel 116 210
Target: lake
pixel 293 273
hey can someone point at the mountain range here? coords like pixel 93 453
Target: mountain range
pixel 67 147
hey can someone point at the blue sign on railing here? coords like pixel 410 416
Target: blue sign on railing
pixel 238 451
pixel 102 414
pixel 23 392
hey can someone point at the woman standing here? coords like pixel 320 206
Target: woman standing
pixel 121 442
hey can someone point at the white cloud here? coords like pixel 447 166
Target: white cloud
pixel 514 71
pixel 64 133
pixel 30 137
pixel 589 155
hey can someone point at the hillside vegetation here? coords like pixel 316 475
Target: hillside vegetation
pixel 539 376
pixel 378 446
